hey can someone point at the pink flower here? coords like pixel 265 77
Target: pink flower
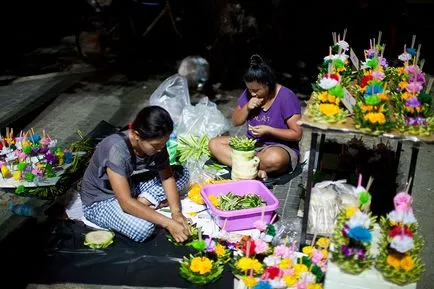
pixel 317 256
pixel 282 251
pixel 260 225
pixel 402 202
pixel 414 87
pixel 261 246
pixel 378 75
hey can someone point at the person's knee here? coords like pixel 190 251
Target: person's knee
pixel 273 161
pixel 142 234
pixel 213 145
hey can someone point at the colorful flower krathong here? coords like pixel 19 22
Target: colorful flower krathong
pixel 352 240
pixel 400 244
pixel 372 113
pixel 31 157
pixel 328 91
pixel 411 95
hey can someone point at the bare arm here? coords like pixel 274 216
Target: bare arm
pixel 294 132
pixel 239 116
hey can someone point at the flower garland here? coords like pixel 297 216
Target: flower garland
pixel 400 244
pixel 371 112
pixel 411 96
pixel 352 240
pixel 31 157
pixel 328 91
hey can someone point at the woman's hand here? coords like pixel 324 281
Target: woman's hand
pixel 180 218
pixel 254 102
pixel 260 130
pixel 178 231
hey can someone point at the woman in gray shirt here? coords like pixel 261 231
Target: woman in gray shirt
pixel 113 193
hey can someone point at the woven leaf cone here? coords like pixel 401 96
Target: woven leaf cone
pixel 349 264
pixel 200 279
pixel 399 276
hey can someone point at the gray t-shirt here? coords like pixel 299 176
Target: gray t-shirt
pixel 113 152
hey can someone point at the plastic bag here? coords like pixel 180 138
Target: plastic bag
pixel 172 95
pixel 203 118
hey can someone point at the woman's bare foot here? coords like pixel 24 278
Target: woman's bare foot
pixel 262 175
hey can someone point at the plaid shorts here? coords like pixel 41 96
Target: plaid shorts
pixel 109 214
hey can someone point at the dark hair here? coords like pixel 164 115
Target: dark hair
pixel 153 122
pixel 260 72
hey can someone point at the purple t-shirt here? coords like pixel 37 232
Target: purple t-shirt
pixel 285 105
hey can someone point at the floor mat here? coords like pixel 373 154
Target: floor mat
pixel 55 254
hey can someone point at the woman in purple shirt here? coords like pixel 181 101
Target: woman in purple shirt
pixel 271 112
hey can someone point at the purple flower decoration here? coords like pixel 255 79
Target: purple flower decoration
pixel 383 62
pixel 413 102
pixel 43 150
pixel 50 158
pixel 410 120
pixel 345 230
pixel 210 245
pixel 414 87
pixel 361 254
pixel 420 120
pixel 419 78
pixel 347 251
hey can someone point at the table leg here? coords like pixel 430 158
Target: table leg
pixel 413 162
pixel 321 143
pixel 311 164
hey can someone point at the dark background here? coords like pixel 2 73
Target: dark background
pixel 293 35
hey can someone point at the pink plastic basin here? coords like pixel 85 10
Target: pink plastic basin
pixel 240 219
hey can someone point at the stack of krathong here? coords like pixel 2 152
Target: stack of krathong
pixel 411 95
pixel 335 74
pixel 352 238
pixel 400 244
pixel 372 113
pixel 30 158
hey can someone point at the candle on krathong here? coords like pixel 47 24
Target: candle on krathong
pixel 345 33
pixel 413 40
pixel 379 36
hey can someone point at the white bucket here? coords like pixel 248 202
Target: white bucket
pixel 244 165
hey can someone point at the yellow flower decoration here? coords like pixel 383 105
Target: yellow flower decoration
pixel 325 253
pixel 375 117
pixel 406 95
pixel 407 263
pixel 331 98
pixel 250 281
pixel 17 175
pixel 328 109
pixel 393 261
pixel 403 84
pixel 349 212
pixel 290 280
pixel 201 265
pixel 323 242
pixel 246 264
pixel 340 69
pixel 220 250
pixel 323 96
pixel 400 70
pixel 307 250
pixel 285 263
pixel 300 268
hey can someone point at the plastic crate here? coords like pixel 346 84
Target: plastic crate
pixel 240 219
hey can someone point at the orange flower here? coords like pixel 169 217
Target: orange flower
pixel 393 260
pixel 323 96
pixel 407 263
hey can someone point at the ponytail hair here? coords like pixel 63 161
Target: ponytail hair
pixel 152 122
pixel 260 72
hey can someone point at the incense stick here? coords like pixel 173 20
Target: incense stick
pixel 413 40
pixel 408 185
pixel 370 181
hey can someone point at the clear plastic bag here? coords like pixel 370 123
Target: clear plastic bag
pixel 173 95
pixel 203 118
